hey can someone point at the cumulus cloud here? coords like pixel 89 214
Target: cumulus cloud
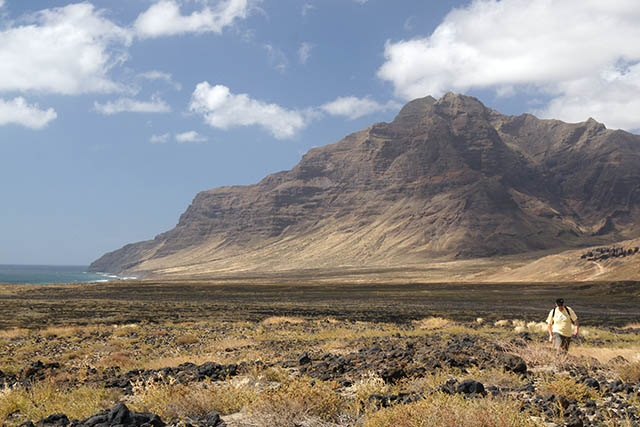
pixel 128 105
pixel 304 52
pixel 353 108
pixel 159 75
pixel 581 53
pixel 190 136
pixel 68 50
pixel 224 110
pixel 160 139
pixel 18 111
pixel 164 18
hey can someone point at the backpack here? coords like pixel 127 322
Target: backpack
pixel 553 315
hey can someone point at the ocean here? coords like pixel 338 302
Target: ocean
pixel 47 274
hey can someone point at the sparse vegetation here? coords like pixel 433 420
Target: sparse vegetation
pixel 358 373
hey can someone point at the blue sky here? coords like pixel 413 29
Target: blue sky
pixel 115 113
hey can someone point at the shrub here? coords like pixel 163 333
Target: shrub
pixel 434 323
pixel 297 401
pixel 567 387
pixel 629 372
pixel 173 401
pixel 47 397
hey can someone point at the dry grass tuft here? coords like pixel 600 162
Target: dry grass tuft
pixel 434 323
pixel 369 384
pixel 537 327
pixel 187 339
pixel 452 411
pixel 14 333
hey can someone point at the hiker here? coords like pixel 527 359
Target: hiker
pixel 560 320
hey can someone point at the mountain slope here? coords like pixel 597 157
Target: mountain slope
pixel 447 179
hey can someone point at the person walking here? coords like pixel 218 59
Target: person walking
pixel 560 322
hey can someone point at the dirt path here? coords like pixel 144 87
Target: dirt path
pixel 601 271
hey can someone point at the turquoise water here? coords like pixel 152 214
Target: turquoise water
pixel 44 274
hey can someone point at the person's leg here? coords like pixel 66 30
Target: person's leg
pixel 565 343
pixel 557 341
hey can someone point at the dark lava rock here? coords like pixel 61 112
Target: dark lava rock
pixel 183 374
pixel 530 388
pixel 120 415
pixel 54 420
pixel 304 359
pixel 513 363
pixel 471 387
pixel 592 382
pixel 213 420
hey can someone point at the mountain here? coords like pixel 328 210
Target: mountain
pixel 447 179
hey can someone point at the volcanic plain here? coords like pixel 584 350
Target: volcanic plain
pixel 292 351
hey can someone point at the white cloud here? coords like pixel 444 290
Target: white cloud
pixel 17 111
pixel 160 139
pixel 68 50
pixel 304 52
pixel 164 18
pixel 582 53
pixel 223 109
pixel 277 58
pixel 128 105
pixel 159 75
pixel 1 4
pixel 352 107
pixel 612 97
pixel 190 136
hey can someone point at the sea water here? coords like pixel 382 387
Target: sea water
pixel 47 274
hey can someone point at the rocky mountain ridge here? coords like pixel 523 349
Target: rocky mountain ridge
pixel 446 179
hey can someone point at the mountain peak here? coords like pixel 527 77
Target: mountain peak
pixel 414 110
pixel 453 103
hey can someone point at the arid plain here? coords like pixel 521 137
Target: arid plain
pixel 288 350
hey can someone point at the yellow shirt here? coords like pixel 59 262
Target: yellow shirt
pixel 561 322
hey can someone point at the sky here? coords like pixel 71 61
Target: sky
pixel 114 114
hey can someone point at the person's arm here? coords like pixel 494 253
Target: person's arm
pixel 550 327
pixel 574 320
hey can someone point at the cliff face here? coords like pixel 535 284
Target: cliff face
pixel 448 178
